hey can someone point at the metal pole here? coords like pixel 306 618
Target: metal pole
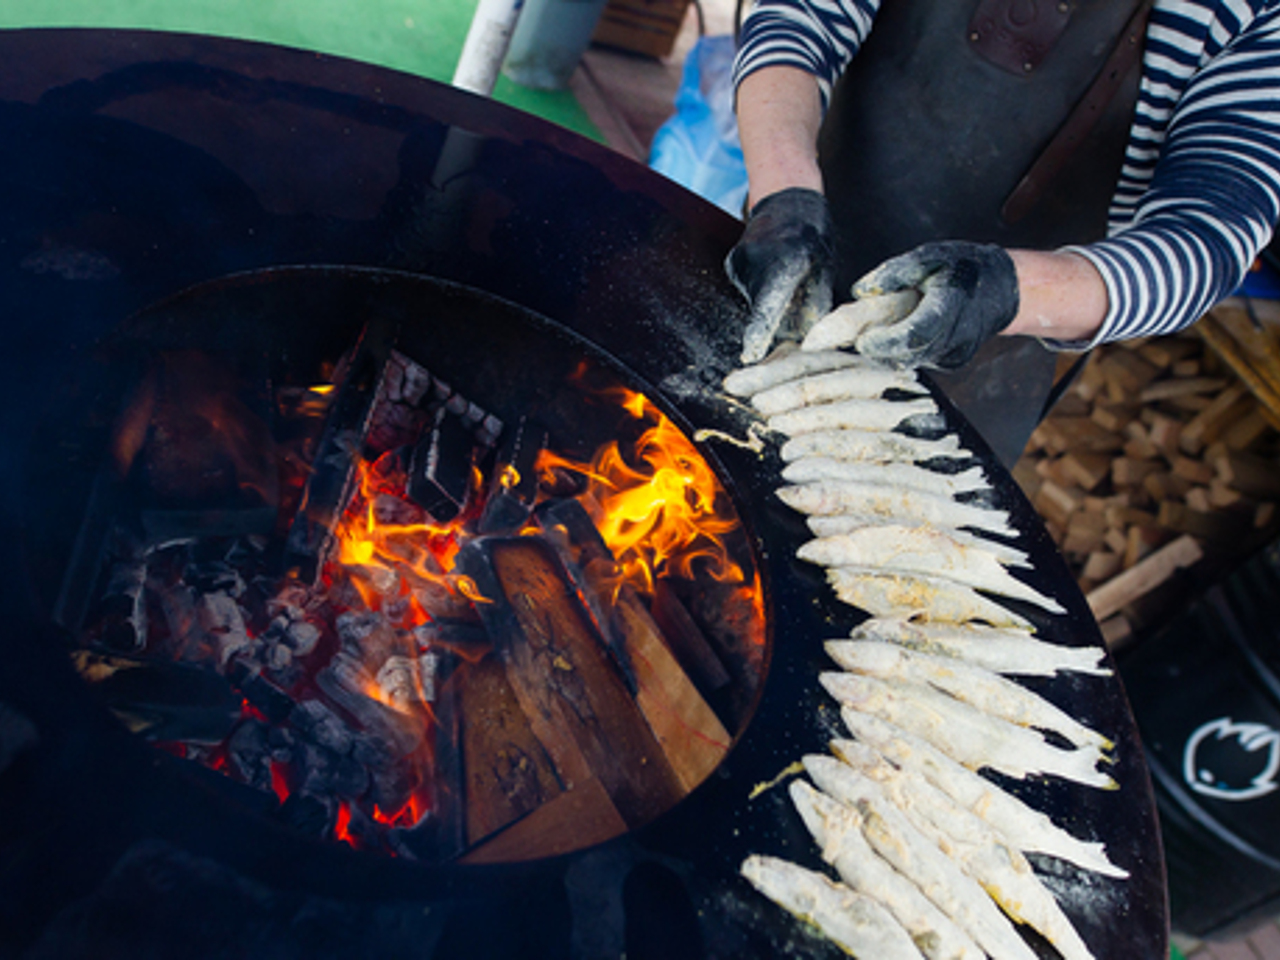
pixel 486 45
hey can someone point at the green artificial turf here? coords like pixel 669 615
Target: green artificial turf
pixel 422 37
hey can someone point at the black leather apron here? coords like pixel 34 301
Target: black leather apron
pixel 946 107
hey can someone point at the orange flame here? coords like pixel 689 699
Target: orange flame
pixel 665 514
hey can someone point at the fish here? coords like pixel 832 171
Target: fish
pixel 869 445
pixel 926 551
pixel 1001 870
pixel 987 691
pixel 854 922
pixel 785 366
pixel 856 414
pixel 837 829
pixel 962 732
pixel 939 878
pixel 811 469
pixel 884 593
pixel 1005 651
pixel 913 536
pixel 1027 829
pixel 867 383
pixel 843 325
pixel 827 497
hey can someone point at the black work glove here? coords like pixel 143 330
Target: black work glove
pixel 783 263
pixel 968 294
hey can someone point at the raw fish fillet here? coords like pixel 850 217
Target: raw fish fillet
pixel 791 365
pixel 826 497
pixel 810 469
pixel 886 447
pixel 987 691
pixel 939 878
pixel 884 593
pixel 856 383
pixel 837 828
pixel 851 415
pixel 1029 830
pixel 1003 872
pixel 964 733
pixel 856 923
pixel 1000 650
pixel 925 552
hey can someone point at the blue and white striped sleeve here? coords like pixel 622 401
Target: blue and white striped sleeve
pixel 817 36
pixel 1213 199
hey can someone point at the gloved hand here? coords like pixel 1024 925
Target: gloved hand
pixel 783 264
pixel 968 292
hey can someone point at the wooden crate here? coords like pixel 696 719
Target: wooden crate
pixel 647 27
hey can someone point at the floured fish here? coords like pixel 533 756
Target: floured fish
pixel 1003 651
pixel 856 923
pixel 886 593
pixel 1025 828
pixel 810 469
pixel 987 691
pixel 826 497
pixel 870 445
pixel 915 535
pixel 854 383
pixel 964 733
pixel 925 551
pixel 1001 870
pixel 791 365
pixel 837 829
pixel 851 415
pixel 939 878
pixel 843 325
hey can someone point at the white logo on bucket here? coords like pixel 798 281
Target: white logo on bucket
pixel 1253 737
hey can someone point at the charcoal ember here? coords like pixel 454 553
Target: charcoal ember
pixel 215 576
pixel 282 743
pixel 249 754
pixel 463 634
pixel 277 657
pixel 309 814
pixel 391 785
pixel 441 600
pixel 345 680
pixel 123 618
pixel 408 681
pixel 441 464
pixel 326 773
pixel 302 636
pixel 394 511
pixel 289 601
pixel 270 699
pixel 187 640
pixel 407 381
pixel 222 622
pixel 315 720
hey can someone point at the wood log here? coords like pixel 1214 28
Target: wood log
pixel 1085 470
pixel 1255 476
pixel 1126 472
pixel 1141 540
pixel 1144 576
pixel 1165 433
pixel 1246 431
pixel 1113 416
pixel 1219 527
pixel 1057 502
pixel 1126 373
pixel 1227 407
pixel 1102 565
pixel 1195 471
pixel 1180 387
pixel 508 772
pixel 575 698
pixel 1165 352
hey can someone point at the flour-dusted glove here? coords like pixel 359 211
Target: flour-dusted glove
pixel 783 264
pixel 968 293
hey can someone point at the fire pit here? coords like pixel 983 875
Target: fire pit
pixel 188 790
pixel 497 608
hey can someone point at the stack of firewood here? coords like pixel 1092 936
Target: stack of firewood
pixel 1160 453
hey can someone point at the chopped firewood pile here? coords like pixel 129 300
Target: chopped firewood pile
pixel 1162 455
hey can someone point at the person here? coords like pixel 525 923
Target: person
pixel 1195 201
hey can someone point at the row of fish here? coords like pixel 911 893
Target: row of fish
pixel 930 855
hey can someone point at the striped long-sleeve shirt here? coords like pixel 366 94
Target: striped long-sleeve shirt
pixel 1199 193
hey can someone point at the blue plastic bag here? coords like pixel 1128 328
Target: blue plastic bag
pixel 698 147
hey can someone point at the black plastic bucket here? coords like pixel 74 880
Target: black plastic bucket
pixel 1206 695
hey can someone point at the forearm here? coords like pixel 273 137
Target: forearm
pixel 1061 296
pixel 779 113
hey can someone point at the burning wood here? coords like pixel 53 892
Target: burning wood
pixel 448 643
